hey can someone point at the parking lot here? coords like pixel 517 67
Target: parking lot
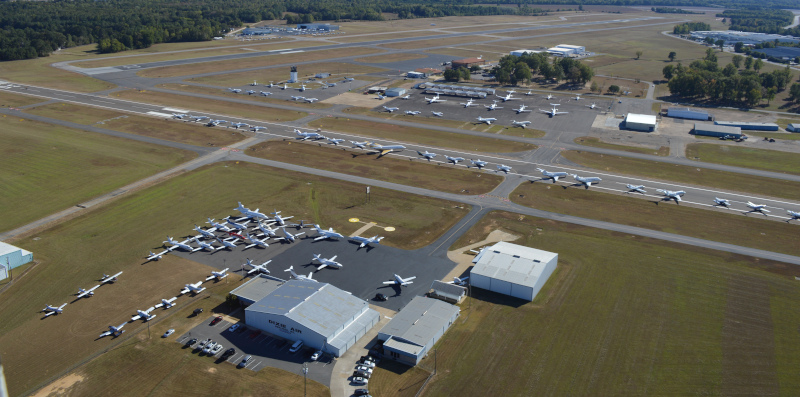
pixel 267 350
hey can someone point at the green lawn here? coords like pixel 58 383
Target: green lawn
pixel 595 142
pixel 10 100
pixel 685 174
pixel 624 315
pixel 760 159
pixel 47 168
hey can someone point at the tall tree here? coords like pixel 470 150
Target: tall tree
pixel 639 54
pixel 672 55
pixel 758 64
pixel 737 61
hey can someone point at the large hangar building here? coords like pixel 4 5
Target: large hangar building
pixel 413 331
pixel 322 316
pixel 513 270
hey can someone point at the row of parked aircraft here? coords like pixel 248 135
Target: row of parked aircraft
pixel 82 293
pixel 213 123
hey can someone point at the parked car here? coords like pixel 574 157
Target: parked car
pixel 191 341
pixel 359 380
pixel 216 349
pixel 381 297
pixel 209 346
pixel 197 311
pixel 367 363
pixel 361 392
pixel 245 360
pixel 216 320
pixel 362 374
pixel 234 327
pixel 168 333
pixel 229 353
pixel 203 344
pixel 364 368
pixel 317 354
pixel 296 346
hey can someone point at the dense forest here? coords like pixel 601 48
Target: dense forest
pixel 688 27
pixel 516 69
pixel 759 20
pixel 672 10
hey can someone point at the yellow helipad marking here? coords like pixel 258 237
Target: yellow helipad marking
pixel 389 228
pixel 353 220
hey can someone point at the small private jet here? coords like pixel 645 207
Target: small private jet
pixel 487 120
pixel 522 109
pixel 297 97
pixel 359 145
pixel 219 275
pixel 577 97
pixel 288 237
pixel 227 244
pixel 300 276
pixel 250 92
pixel 530 92
pixel 51 310
pixel 178 244
pixel 503 168
pixel 586 181
pixel 413 112
pixel 109 279
pixel 427 155
pixel 156 257
pixel 468 103
pixel 435 99
pixel 454 160
pixel 672 195
pixel 554 111
pixel 199 118
pixel 323 262
pixel 311 100
pixel 508 97
pixel 262 268
pixel 266 230
pixel 385 149
pixel 166 303
pixel 265 93
pixel 235 225
pixel 217 225
pixel 405 97
pixel 549 97
pixel 257 128
pixel 254 242
pixel 235 90
pixel 335 141
pixel 760 208
pixel 112 330
pixel 635 189
pixel 193 288
pixel 390 109
pixel 179 116
pixel 459 281
pixel 522 124
pixel 308 135
pixel 203 233
pixel 239 125
pixel 144 315
pixel 438 114
pixel 592 106
pixel 323 234
pixel 721 202
pixel 86 293
pixel 214 123
pixel 367 241
pixel 493 106
pixel 478 163
pixel 552 175
pixel 280 220
pixel 794 215
pixel 400 281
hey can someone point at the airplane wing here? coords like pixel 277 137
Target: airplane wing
pixel 211 276
pixel 390 282
pixel 107 333
pixel 168 300
pixel 88 291
pixel 383 152
pixel 408 280
pixel 136 317
pixel 322 266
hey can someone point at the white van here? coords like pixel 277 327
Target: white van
pixel 296 346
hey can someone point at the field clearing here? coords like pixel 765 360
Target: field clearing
pixel 651 213
pixel 263 76
pixel 47 168
pixel 171 130
pixel 437 121
pixel 253 112
pixel 421 136
pixel 253 98
pixel 424 24
pixel 596 142
pixel 397 380
pixel 255 62
pixel 523 132
pixel 390 58
pixel 241 48
pixel 760 159
pixel 685 174
pixel 10 100
pixel 787 136
pixel 383 35
pixel 783 123
pixel 624 315
pixel 39 72
pixel 412 45
pixel 171 208
pixel 413 173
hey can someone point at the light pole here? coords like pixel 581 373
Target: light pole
pixel 305 372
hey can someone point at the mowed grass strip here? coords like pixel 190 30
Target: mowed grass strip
pixel 760 159
pixel 390 58
pixel 39 72
pixel 418 173
pixel 117 237
pixel 11 100
pixel 596 142
pixel 46 168
pixel 421 136
pixel 257 97
pixel 338 71
pixel 652 213
pixel 171 130
pixel 623 315
pixel 686 174
pixel 255 62
pixel 252 112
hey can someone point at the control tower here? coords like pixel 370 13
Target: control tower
pixel 293 74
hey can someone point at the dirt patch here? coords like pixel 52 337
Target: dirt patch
pixel 59 387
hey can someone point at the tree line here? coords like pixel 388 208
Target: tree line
pixel 672 10
pixel 513 69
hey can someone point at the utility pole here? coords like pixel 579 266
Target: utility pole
pixel 367 199
pixel 305 372
pixel 434 361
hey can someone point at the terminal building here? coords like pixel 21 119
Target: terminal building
pixel 567 50
pixel 322 316
pixel 323 27
pixel 12 257
pixel 640 122
pixel 512 270
pixel 413 331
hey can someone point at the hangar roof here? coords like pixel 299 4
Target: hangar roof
pixel 512 263
pixel 641 119
pixel 257 288
pixel 449 290
pixel 420 320
pixel 8 248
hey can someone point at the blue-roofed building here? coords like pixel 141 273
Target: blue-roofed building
pixel 749 125
pixel 325 27
pixel 12 257
pixel 784 53
pixel 322 316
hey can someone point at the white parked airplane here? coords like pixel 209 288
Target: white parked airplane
pixel 237 125
pixel 413 112
pixel 553 112
pixel 478 163
pixel 504 168
pixel 400 281
pixel 493 106
pixel 349 79
pixel 266 230
pixel 234 90
pixel 53 310
pixel 435 99
pixel 758 208
pixel 257 128
pixel 235 225
pixel 248 213
pixel 335 141
pixel 112 330
pixel 390 110
pixel 166 303
pixel 380 97
pixel 487 120
pixel 384 149
pixel 218 275
pixel 360 145
pixel 308 135
pixel 250 92
pixel 281 221
pixel 300 276
pixel 586 181
pixel 577 97
pixel 549 97
pixel 155 257
pixel 438 114
pixel 508 97
pixel 520 123
pixel 109 279
pixel 635 189
pixel 592 106
pixel 427 155
pixel 311 100
pixel 203 232
pixel 285 86
pixel 227 244
pixel 522 109
pixel 265 93
pixel 367 241
pixel 459 281
pixel 288 237
pixel 552 175
pixel 193 288
pixel 405 97
pixel 254 84
pixel 794 215
pixel 214 123
pixel 723 202
pixel 323 234
pixel 144 314
pixel 83 293
pixel 454 160
pixel 179 116
pixel 672 195
pixel 300 225
pixel 255 242
pixel 218 226
pixel 200 118
pixel 530 92
pixel 326 262
pixel 470 102
pixel 297 97
pixel 302 87
pixel 178 244
pixel 262 268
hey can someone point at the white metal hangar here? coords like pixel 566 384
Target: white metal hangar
pixel 640 122
pixel 12 257
pixel 411 334
pixel 513 270
pixel 319 314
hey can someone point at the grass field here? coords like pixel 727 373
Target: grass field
pixel 390 58
pixel 421 136
pixel 173 130
pixel 623 315
pixel 751 231
pixel 39 72
pixel 338 70
pixel 596 142
pixel 444 178
pixel 116 237
pixel 381 36
pixel 228 94
pixel 783 123
pixel 252 112
pixel 47 168
pixel 786 136
pixel 419 44
pixel 761 159
pixel 685 174
pixel 10 100
pixel 523 132
pixel 255 62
